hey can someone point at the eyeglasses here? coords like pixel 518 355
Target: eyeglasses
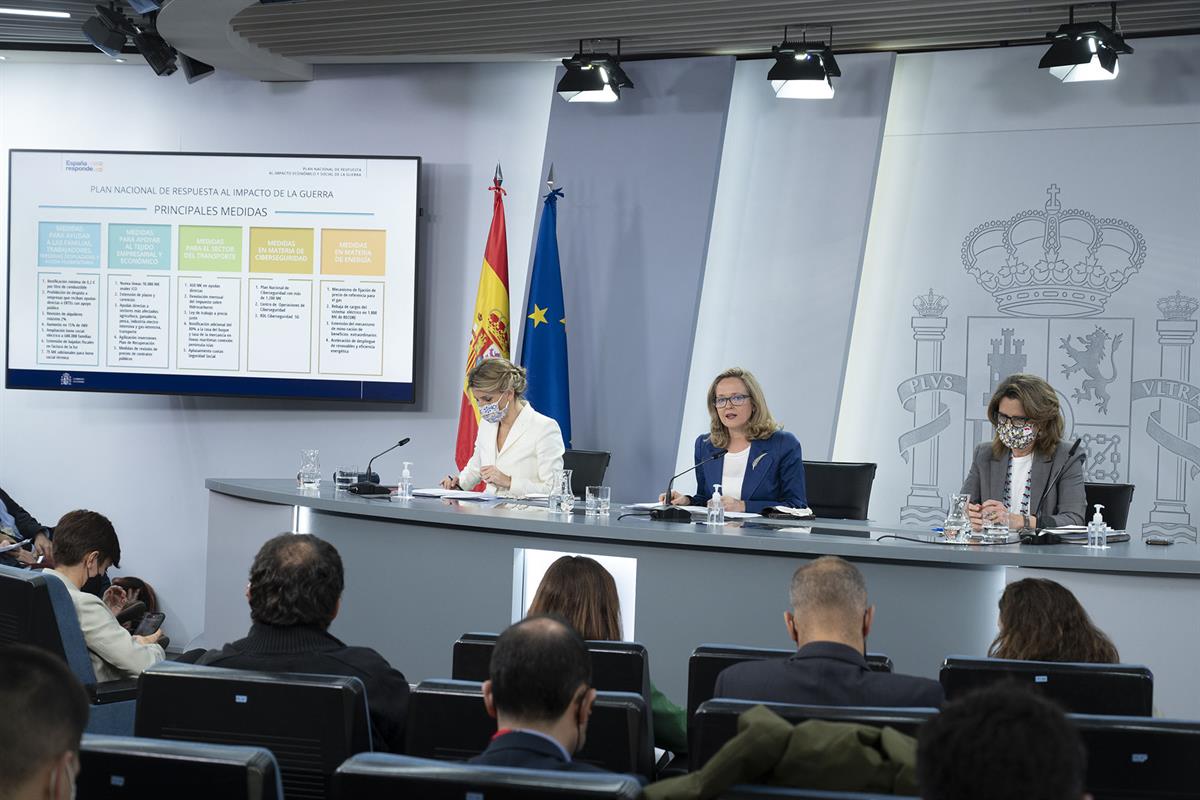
pixel 1020 422
pixel 737 400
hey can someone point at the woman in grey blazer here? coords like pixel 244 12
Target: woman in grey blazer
pixel 1027 473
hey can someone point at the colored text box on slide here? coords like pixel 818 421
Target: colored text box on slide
pixel 353 252
pixel 139 246
pixel 281 250
pixel 69 244
pixel 210 248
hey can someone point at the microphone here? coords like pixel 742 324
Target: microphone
pixel 372 477
pixel 368 482
pixel 1041 537
pixel 670 513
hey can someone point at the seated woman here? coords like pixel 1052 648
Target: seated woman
pixel 517 450
pixel 584 593
pixel 85 546
pixel 758 464
pixel 1010 475
pixel 18 525
pixel 1041 620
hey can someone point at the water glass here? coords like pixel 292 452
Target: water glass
pixel 310 468
pixel 344 478
pixel 995 527
pixel 562 498
pixel 957 524
pixel 597 500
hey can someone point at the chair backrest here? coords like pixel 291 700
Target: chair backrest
pixel 1137 757
pixel 312 723
pixel 1120 689
pixel 378 776
pixel 36 609
pixel 587 468
pixel 447 720
pixel 708 660
pixel 715 722
pixel 839 489
pixel 115 767
pixel 1116 499
pixel 616 666
pixel 747 792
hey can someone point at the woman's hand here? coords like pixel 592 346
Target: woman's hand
pixel 494 476
pixel 450 482
pixel 732 504
pixel 677 498
pixel 151 638
pixel 116 598
pixel 42 546
pixel 975 516
pixel 995 510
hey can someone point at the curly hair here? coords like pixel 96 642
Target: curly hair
pixel 296 579
pixel 1041 620
pixel 584 593
pixel 1040 402
pixel 1000 743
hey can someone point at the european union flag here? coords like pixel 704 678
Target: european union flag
pixel 544 343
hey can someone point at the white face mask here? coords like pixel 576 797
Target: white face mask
pixel 492 412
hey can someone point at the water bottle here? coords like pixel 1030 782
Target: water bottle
pixel 1097 531
pixel 404 488
pixel 716 508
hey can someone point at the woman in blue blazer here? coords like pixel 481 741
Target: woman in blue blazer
pixel 757 464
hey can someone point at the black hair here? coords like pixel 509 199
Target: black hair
pixel 296 579
pixel 81 532
pixel 45 711
pixel 999 743
pixel 537 666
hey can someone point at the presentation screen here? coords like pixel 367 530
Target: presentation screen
pixel 212 274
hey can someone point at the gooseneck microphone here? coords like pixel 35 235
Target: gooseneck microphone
pixel 368 482
pixel 670 513
pixel 372 477
pixel 1054 479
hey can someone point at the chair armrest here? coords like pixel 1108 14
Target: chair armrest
pixel 113 691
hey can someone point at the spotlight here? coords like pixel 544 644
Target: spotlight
pixel 804 71
pixel 1085 51
pixel 593 77
pixel 107 31
pixel 158 54
pixel 194 70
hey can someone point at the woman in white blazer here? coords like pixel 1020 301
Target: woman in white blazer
pixel 517 450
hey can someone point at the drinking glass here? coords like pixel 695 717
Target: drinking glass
pixel 310 468
pixel 957 523
pixel 995 526
pixel 344 478
pixel 597 501
pixel 563 496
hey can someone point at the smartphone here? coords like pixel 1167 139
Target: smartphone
pixel 149 624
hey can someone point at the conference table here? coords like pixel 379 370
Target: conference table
pixel 420 573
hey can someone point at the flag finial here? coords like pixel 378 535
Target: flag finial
pixel 550 176
pixel 499 176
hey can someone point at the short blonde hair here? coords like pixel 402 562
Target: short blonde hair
pixel 1040 402
pixel 761 424
pixel 497 375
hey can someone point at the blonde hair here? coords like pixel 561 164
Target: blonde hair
pixel 761 424
pixel 497 375
pixel 1040 402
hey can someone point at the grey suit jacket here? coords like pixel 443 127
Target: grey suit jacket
pixel 1065 503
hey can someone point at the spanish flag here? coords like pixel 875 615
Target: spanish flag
pixel 489 325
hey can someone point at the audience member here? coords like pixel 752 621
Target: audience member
pixel 45 711
pixel 581 591
pixel 295 593
pixel 18 525
pixel 1000 743
pixel 85 546
pixel 829 622
pixel 1041 620
pixel 541 695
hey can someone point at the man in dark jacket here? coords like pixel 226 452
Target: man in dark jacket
pixel 829 622
pixel 18 525
pixel 541 696
pixel 295 592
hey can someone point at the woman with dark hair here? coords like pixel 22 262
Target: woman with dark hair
pixel 1041 620
pixel 1010 477
pixel 584 593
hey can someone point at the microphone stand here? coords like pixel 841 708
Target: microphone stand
pixel 670 513
pixel 1041 536
pixel 371 477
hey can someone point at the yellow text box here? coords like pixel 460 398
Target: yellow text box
pixel 353 252
pixel 281 250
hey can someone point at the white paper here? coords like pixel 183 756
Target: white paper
pixel 454 494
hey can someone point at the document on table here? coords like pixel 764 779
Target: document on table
pixel 455 494
pixel 700 510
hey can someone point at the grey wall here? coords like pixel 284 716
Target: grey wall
pixel 639 179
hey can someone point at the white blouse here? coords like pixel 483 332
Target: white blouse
pixel 732 474
pixel 532 454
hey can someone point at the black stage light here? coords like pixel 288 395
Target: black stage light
pixel 803 70
pixel 593 77
pixel 158 54
pixel 194 70
pixel 1085 51
pixel 107 31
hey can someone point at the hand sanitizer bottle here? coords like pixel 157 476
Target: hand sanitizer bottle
pixel 404 489
pixel 716 508
pixel 1097 531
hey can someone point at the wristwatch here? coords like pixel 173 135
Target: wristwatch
pixel 1024 522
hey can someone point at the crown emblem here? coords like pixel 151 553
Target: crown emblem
pixel 1178 306
pixel 1053 263
pixel 930 305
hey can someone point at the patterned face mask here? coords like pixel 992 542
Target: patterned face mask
pixel 1016 437
pixel 492 412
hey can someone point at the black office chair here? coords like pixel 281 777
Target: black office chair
pixel 708 660
pixel 839 489
pixel 1120 689
pixel 312 723
pixel 37 610
pixel 587 468
pixel 716 721
pixel 616 666
pixel 1136 757
pixel 447 720
pixel 746 792
pixel 378 776
pixel 1116 499
pixel 117 767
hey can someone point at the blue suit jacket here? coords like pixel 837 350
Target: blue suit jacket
pixel 774 472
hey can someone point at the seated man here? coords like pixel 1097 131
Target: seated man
pixel 85 546
pixel 18 525
pixel 295 592
pixel 1001 742
pixel 45 711
pixel 541 696
pixel 829 622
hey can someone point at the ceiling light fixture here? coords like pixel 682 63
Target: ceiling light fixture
pixel 593 77
pixel 29 12
pixel 1085 51
pixel 804 71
